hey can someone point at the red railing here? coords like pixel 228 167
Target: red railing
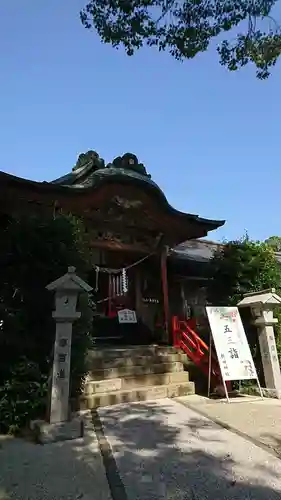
pixel 185 338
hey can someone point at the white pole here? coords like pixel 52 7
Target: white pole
pixel 225 388
pixel 259 386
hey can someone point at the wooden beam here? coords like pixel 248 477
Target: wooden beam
pixel 115 245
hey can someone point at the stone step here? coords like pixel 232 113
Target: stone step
pixel 133 382
pixel 129 351
pixel 96 363
pixel 127 371
pixel 134 395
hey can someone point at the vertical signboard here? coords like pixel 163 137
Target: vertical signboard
pixel 233 351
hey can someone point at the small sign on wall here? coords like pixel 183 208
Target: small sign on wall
pixel 127 316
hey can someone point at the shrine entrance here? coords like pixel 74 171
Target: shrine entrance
pixel 128 282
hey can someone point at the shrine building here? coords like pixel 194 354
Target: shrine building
pixel 147 256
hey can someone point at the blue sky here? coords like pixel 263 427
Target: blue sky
pixel 209 138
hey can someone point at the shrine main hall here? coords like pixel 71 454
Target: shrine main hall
pixel 146 255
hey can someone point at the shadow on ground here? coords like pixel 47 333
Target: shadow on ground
pixel 145 441
pixel 146 448
pixel 275 443
pixel 68 470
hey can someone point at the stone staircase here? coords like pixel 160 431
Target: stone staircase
pixel 128 374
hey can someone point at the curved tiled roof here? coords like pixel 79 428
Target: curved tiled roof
pixel 90 174
pixel 85 177
pixel 120 171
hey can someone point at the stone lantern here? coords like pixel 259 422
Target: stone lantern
pixel 262 306
pixel 67 288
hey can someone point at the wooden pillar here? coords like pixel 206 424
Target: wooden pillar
pixel 138 305
pixel 184 311
pixel 164 279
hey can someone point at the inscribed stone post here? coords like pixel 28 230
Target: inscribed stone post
pixel 262 305
pixel 66 290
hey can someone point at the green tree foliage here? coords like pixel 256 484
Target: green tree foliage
pixel 274 242
pixel 186 28
pixel 240 267
pixel 33 252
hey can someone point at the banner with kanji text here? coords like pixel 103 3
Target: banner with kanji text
pixel 233 351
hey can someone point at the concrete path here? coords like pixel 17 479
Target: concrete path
pixel 145 451
pixel 259 420
pixel 69 470
pixel 164 450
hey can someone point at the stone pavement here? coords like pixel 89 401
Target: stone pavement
pixel 256 419
pixel 149 451
pixel 164 450
pixel 68 470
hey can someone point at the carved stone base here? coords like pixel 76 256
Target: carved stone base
pixel 271 393
pixel 44 432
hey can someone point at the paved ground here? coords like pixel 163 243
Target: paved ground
pixel 165 450
pixel 259 419
pixel 150 451
pixel 69 470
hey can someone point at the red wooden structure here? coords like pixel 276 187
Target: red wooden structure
pixel 186 339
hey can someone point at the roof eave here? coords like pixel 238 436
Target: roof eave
pixel 205 224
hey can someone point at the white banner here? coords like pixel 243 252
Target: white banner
pixel 233 351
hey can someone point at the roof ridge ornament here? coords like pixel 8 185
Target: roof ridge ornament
pixel 129 161
pixel 90 158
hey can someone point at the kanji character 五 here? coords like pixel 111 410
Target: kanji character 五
pixel 227 329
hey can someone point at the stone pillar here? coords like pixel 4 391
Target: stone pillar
pixel 262 306
pixel 67 289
